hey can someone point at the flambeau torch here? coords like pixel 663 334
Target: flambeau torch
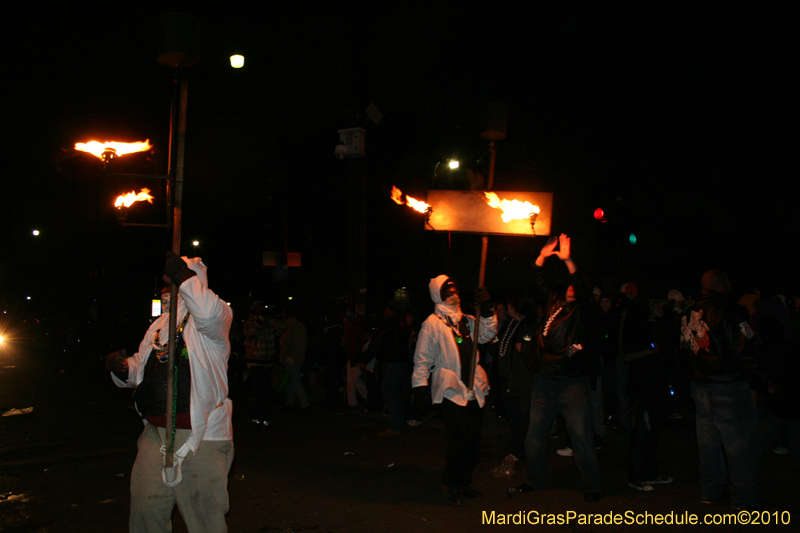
pixel 179 46
pixel 109 151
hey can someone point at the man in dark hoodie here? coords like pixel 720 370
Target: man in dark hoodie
pixel 717 342
pixel 561 385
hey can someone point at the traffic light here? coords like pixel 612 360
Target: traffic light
pixel 599 215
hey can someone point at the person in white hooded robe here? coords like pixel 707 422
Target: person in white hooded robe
pixel 444 348
pixel 204 434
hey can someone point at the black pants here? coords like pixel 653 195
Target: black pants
pixel 643 450
pixel 259 378
pixel 464 426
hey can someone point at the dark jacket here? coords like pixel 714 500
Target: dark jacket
pixel 731 354
pixel 513 364
pixel 568 327
pixel 390 342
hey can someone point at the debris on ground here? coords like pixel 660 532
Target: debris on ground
pixel 506 468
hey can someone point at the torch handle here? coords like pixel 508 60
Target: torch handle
pixel 173 325
pixel 481 280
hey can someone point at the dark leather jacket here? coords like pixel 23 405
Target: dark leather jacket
pixel 568 327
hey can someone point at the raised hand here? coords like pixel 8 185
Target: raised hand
pixel 564 246
pixel 549 248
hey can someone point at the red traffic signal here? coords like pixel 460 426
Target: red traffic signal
pixel 600 215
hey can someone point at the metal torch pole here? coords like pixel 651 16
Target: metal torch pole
pixel 177 207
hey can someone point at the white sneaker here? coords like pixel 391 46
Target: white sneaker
pixel 565 452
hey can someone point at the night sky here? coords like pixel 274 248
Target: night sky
pixel 675 120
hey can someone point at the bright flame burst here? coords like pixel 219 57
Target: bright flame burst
pixel 418 205
pixel 512 209
pixel 128 199
pixel 97 148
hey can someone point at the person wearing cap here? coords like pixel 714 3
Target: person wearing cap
pixel 203 444
pixel 443 358
pixel 389 347
pixel 561 384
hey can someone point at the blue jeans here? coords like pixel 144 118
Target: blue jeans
pixel 570 397
pixel 727 428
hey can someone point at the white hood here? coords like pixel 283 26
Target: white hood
pixel 444 309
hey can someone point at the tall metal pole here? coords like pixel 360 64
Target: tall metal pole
pixel 177 208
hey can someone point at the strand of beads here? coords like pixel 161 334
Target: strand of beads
pixel 550 321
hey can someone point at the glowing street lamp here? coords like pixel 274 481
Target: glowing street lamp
pixel 237 61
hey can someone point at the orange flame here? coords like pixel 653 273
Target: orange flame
pixel 128 199
pixel 417 205
pixel 97 148
pixel 397 195
pixel 512 209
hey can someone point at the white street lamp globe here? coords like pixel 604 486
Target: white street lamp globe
pixel 237 61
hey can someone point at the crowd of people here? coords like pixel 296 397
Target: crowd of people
pixel 590 359
pixel 593 359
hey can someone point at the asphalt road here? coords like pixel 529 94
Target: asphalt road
pixel 65 466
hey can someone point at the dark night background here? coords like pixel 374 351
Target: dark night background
pixel 675 119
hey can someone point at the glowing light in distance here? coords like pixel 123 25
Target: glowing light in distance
pixel 453 163
pixel 237 61
pixel 36 233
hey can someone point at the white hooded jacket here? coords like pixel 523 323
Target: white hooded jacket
pixel 437 353
pixel 206 336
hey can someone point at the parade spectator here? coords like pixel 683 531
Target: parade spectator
pixel 647 389
pixel 294 342
pixel 260 357
pixel 561 384
pixel 717 342
pixel 332 359
pixel 389 347
pixel 514 380
pixel 354 339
